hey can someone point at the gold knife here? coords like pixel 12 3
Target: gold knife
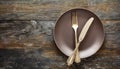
pixel 81 37
pixel 85 29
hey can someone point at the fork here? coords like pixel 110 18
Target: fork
pixel 75 27
pixel 77 58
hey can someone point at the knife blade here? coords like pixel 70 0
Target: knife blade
pixel 85 29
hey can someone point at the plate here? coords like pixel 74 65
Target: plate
pixel 64 33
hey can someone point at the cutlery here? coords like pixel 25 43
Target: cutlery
pixel 77 58
pixel 81 37
pixel 75 27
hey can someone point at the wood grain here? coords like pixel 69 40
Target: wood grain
pixel 40 50
pixel 26 34
pixel 51 10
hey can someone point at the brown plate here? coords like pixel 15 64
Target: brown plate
pixel 64 34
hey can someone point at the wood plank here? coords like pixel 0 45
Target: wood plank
pixel 35 59
pixel 51 10
pixel 82 2
pixel 23 31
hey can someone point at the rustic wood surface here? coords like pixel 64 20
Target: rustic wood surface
pixel 26 38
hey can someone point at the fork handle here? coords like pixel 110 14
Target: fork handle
pixel 77 58
pixel 74 56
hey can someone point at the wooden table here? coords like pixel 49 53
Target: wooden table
pixel 26 38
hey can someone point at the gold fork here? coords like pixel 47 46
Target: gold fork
pixel 75 27
pixel 77 58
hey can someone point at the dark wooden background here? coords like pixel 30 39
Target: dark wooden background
pixel 26 38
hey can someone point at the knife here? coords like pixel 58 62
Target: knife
pixel 85 29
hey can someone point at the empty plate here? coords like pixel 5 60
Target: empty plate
pixel 64 33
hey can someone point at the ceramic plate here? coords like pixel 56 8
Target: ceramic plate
pixel 64 33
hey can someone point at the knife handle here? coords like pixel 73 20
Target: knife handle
pixel 72 57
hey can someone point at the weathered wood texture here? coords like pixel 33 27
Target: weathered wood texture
pixel 52 9
pixel 26 38
pixel 29 44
